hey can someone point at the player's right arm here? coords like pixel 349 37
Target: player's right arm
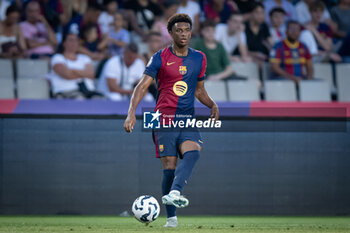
pixel 138 94
pixel 149 75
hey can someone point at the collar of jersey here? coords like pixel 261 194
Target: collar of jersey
pixel 171 50
pixel 291 45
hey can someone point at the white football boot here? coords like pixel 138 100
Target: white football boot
pixel 174 198
pixel 171 222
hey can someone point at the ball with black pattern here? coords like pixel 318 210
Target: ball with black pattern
pixel 145 209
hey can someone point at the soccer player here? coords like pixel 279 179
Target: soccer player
pixel 179 72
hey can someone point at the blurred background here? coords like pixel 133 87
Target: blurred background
pixel 278 69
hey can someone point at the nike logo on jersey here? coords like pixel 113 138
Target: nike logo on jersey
pixel 169 63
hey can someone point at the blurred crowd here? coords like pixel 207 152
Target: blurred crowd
pixel 290 35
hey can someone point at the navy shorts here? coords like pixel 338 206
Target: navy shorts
pixel 167 142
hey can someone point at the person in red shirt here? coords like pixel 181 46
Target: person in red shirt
pixel 179 72
pixel 289 57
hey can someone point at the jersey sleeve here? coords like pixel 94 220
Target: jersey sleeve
pixel 276 54
pixel 153 65
pixel 201 76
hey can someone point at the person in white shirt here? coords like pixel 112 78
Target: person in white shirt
pixel 120 74
pixel 303 13
pixel 192 9
pixel 278 27
pixel 106 18
pixel 72 74
pixel 233 38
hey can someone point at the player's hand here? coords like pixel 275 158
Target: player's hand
pixel 215 112
pixel 129 123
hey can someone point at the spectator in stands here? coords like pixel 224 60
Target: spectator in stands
pixel 341 16
pixel 154 43
pixel 245 7
pixel 303 13
pixel 259 40
pixel 278 27
pixel 344 50
pixel 322 33
pixel 39 36
pixel 12 42
pixel 90 16
pixel 118 37
pixel 192 9
pixel 145 12
pixel 218 10
pixel 160 25
pixel 91 45
pixel 53 12
pixel 4 4
pixel 72 74
pixel 233 38
pixel 284 4
pixel 106 18
pixel 120 74
pixel 289 57
pixel 278 31
pixel 218 64
pixel 75 10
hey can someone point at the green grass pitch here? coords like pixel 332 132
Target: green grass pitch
pixel 202 224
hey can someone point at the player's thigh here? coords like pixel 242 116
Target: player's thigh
pixel 165 142
pixel 189 140
pixel 169 162
pixel 189 145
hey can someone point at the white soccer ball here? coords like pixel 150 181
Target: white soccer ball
pixel 146 209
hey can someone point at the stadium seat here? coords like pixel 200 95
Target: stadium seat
pixel 266 71
pixel 280 90
pixel 6 69
pixel 314 90
pixel 7 88
pixel 243 90
pixel 32 69
pixel 343 81
pixel 216 90
pixel 324 71
pixel 33 89
pixel 249 70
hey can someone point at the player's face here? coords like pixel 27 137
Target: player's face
pixel 181 34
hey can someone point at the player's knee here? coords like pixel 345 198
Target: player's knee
pixel 189 146
pixel 169 162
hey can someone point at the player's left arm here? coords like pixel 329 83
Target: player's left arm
pixel 204 98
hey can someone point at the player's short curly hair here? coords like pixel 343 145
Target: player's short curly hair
pixel 176 18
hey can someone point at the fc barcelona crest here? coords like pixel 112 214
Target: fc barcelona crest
pixel 183 70
pixel 161 148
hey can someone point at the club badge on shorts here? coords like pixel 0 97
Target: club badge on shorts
pixel 161 148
